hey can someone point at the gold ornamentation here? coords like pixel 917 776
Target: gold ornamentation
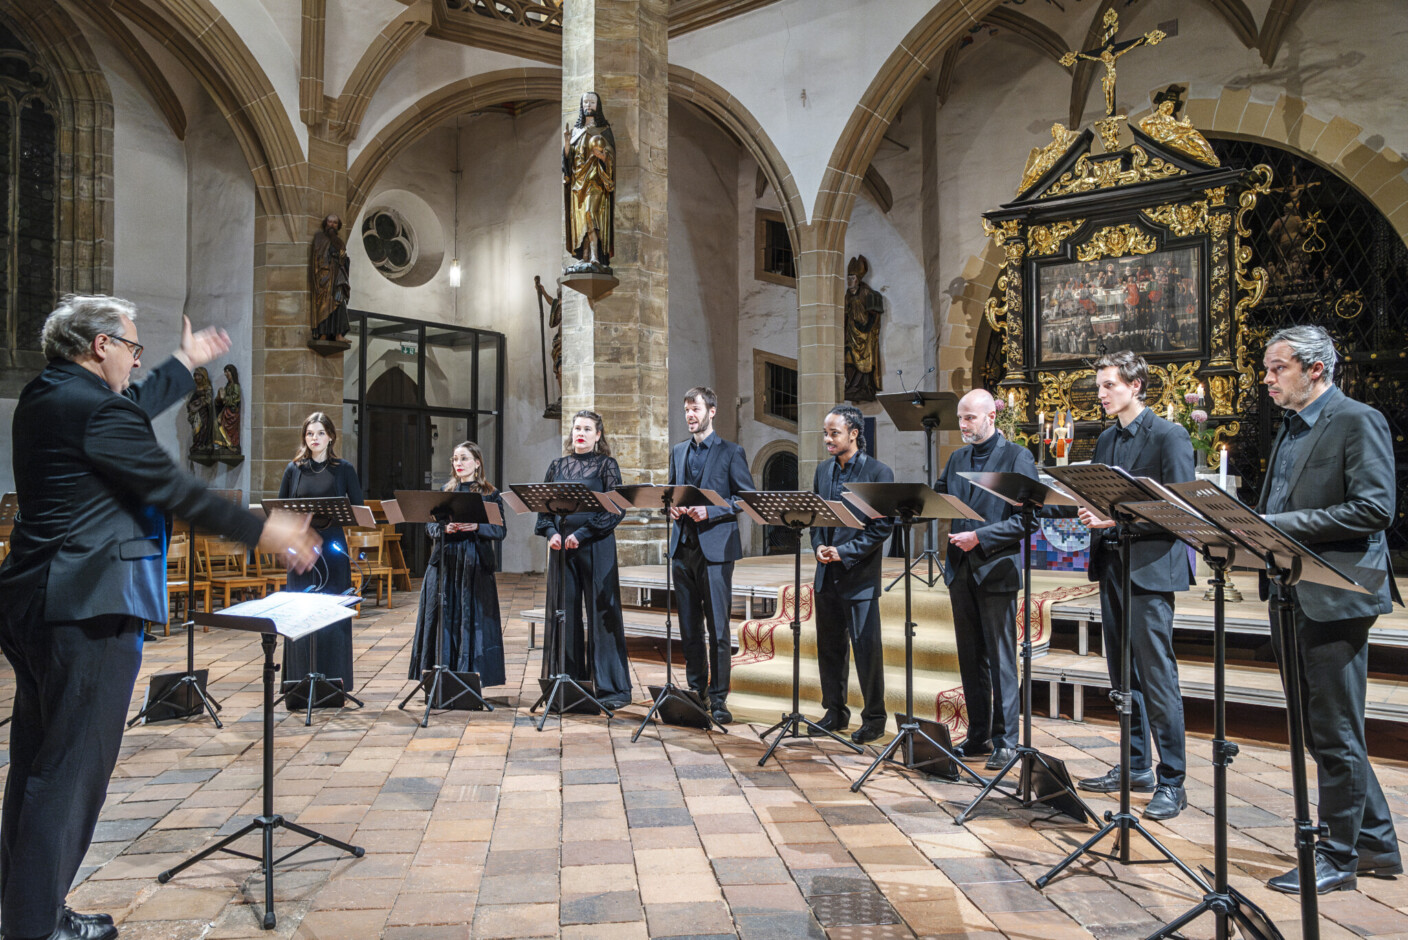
pixel 1218 291
pixel 1217 196
pixel 1109 129
pixel 1088 175
pixel 1055 394
pixel 1252 284
pixel 1221 388
pixel 1109 53
pixel 1313 241
pixel 1178 135
pixel 1222 434
pixel 1175 381
pixel 994 311
pixel 1002 231
pixel 1115 241
pixel 1042 159
pixel 1350 305
pixel 1182 219
pixel 1047 239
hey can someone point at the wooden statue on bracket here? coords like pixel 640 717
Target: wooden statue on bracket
pixel 864 308
pixel 589 188
pixel 198 416
pixel 330 287
pixel 554 322
pixel 227 416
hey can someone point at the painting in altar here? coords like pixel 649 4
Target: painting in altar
pixel 1149 303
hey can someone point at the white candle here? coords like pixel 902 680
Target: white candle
pixel 1169 413
pixel 1200 393
pixel 1222 468
pixel 1041 425
pixel 1011 401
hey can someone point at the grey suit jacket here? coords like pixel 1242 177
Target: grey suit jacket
pixel 997 562
pixel 1340 502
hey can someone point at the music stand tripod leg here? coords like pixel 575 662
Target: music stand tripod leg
pixel 558 691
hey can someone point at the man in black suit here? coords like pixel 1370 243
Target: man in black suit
pixel 1330 484
pixel 703 547
pixel 848 583
pixel 1147 446
pixel 983 572
pixel 86 568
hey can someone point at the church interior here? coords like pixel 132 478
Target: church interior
pixel 882 202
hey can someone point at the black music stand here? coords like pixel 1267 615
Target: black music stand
pixel 9 509
pixel 427 506
pixel 1042 778
pixel 797 510
pixel 911 503
pixel 315 689
pixel 1286 562
pixel 927 412
pixel 561 500
pixel 1106 491
pixel 290 616
pixel 674 705
pixel 1219 549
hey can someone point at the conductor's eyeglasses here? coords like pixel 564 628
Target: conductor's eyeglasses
pixel 135 347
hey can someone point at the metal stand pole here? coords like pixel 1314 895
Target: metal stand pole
pixel 561 680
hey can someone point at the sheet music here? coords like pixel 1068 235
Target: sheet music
pixel 296 614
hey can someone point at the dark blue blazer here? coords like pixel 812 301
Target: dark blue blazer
pixel 726 473
pixel 93 487
pixel 857 575
pixel 998 556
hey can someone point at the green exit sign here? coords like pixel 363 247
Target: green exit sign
pixel 408 349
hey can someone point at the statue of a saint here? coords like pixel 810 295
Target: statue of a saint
pixel 864 307
pixel 554 322
pixel 1179 135
pixel 198 414
pixel 589 187
pixel 328 281
pixel 1044 158
pixel 227 409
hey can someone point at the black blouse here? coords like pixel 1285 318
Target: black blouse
pixel 601 474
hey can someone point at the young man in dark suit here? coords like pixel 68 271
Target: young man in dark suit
pixel 1146 445
pixel 1330 483
pixel 86 568
pixel 983 571
pixel 704 544
pixel 848 583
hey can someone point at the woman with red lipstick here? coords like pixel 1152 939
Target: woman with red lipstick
pixel 596 644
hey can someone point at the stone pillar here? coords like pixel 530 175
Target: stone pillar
pixel 821 312
pixel 615 349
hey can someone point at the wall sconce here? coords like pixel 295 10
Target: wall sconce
pixel 455 273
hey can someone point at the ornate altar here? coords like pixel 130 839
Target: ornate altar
pixel 1137 247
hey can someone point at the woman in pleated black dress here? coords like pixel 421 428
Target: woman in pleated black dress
pixel 317 471
pixel 596 634
pixel 471 633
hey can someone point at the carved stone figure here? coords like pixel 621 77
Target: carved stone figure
pixel 554 322
pixel 1182 136
pixel 589 187
pixel 227 409
pixel 198 415
pixel 329 283
pixel 1044 158
pixel 864 308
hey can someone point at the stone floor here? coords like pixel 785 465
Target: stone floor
pixel 480 826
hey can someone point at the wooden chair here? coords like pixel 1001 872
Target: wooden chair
pixel 226 565
pixel 176 584
pixel 368 543
pixel 275 575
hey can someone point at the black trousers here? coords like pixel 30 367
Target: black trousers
pixel 1334 670
pixel 596 629
pixel 844 624
pixel 73 683
pixel 704 593
pixel 1157 700
pixel 985 629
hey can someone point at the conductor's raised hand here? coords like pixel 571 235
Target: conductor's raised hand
pixel 289 536
pixel 199 348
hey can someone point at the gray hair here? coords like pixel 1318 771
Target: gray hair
pixel 70 330
pixel 1309 345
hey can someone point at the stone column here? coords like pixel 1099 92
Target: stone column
pixel 615 349
pixel 821 312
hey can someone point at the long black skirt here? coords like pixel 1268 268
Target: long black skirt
pixel 331 575
pixel 471 638
pixel 596 632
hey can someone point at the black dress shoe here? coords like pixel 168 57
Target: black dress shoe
pixel 1327 878
pixel 82 927
pixel 1167 803
pixel 867 732
pixel 1379 864
pixel 1000 757
pixel 613 702
pixel 102 920
pixel 721 713
pixel 1139 782
pixel 835 722
pixel 968 750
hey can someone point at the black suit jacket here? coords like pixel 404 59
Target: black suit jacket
pixel 93 487
pixel 726 473
pixel 1161 451
pixel 996 562
pixel 857 575
pixel 1340 502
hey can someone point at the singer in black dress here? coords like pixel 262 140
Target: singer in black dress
pixel 317 471
pixel 472 638
pixel 596 643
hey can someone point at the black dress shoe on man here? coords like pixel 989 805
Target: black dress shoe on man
pixel 1000 757
pixel 1327 878
pixel 1379 864
pixel 1167 803
pixel 82 927
pixel 969 750
pixel 102 920
pixel 867 732
pixel 613 702
pixel 1139 782
pixel 835 722
pixel 721 713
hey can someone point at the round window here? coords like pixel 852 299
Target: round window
pixel 390 242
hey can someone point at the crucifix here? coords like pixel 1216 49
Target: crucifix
pixel 1108 52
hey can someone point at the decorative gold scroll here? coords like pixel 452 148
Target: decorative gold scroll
pixel 1047 239
pixel 1088 174
pixel 1116 241
pixel 1252 284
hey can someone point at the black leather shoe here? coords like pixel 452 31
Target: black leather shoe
pixel 613 702
pixel 721 713
pixel 1380 864
pixel 82 927
pixel 867 732
pixel 969 750
pixel 835 722
pixel 1139 782
pixel 102 920
pixel 1327 878
pixel 1167 803
pixel 1000 757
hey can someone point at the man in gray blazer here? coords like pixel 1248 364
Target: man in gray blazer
pixel 1330 484
pixel 1147 446
pixel 983 571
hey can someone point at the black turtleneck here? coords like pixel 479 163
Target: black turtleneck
pixel 983 450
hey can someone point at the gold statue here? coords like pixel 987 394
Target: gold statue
pixel 864 308
pixel 589 182
pixel 1109 53
pixel 1180 135
pixel 1044 158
